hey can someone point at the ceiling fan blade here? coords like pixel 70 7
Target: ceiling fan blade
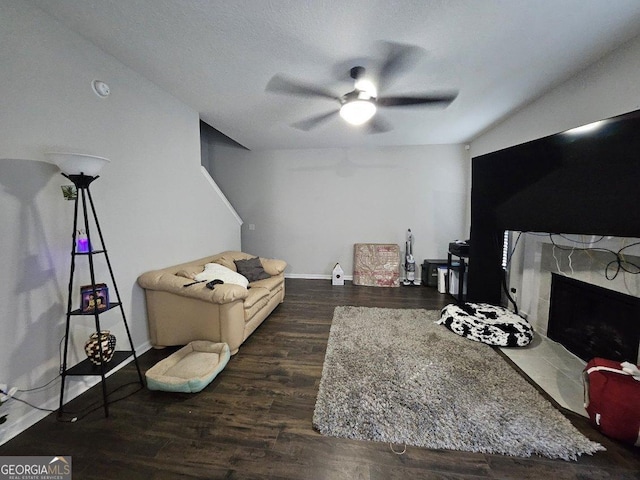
pixel 399 57
pixel 378 125
pixel 405 101
pixel 315 121
pixel 280 84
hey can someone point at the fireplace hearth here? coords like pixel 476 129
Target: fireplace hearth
pixel 592 321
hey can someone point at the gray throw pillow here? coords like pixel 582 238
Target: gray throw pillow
pixel 251 269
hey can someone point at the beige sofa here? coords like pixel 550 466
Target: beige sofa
pixel 229 313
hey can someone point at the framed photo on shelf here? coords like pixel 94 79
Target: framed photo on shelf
pixel 89 303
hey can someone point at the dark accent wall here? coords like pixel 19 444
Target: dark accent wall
pixel 570 182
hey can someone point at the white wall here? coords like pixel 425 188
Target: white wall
pixel 155 206
pixel 309 207
pixel 609 87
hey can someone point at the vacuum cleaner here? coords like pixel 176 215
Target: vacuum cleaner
pixel 409 261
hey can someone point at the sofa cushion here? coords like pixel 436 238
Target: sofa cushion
pixel 163 281
pixel 255 294
pixel 227 258
pixel 249 313
pixel 226 293
pixel 226 262
pixel 257 303
pixel 273 266
pixel 215 271
pixel 271 284
pixel 251 268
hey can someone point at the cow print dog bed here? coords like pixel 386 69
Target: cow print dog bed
pixel 488 324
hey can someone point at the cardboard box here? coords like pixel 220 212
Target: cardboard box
pixel 376 264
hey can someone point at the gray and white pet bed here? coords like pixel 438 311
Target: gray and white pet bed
pixel 488 324
pixel 190 369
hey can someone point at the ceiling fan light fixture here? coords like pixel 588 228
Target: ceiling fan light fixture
pixel 366 86
pixel 357 112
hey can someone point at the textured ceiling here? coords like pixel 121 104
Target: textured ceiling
pixel 218 56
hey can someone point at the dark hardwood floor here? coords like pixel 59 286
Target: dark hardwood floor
pixel 254 420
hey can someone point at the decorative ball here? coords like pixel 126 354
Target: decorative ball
pixel 92 347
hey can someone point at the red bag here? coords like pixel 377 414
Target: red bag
pixel 612 398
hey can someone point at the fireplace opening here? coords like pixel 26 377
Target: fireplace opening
pixel 591 321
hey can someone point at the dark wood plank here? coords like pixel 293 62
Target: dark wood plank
pixel 255 420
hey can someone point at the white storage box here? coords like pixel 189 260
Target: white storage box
pixel 454 276
pixel 442 277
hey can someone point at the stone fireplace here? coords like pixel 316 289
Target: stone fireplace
pixel 588 266
pixel 592 321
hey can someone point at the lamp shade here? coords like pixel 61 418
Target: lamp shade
pixel 357 112
pixel 77 163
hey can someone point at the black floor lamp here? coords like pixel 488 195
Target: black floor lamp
pixel 102 355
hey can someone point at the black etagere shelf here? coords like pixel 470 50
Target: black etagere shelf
pixel 86 366
pixel 80 312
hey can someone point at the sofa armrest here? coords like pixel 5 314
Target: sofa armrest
pixel 228 292
pixel 168 282
pixel 273 266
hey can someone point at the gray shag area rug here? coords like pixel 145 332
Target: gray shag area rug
pixel 395 376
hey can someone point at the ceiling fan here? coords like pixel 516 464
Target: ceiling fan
pixel 359 106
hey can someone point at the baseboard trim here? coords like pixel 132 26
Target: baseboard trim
pixel 314 276
pixel 317 276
